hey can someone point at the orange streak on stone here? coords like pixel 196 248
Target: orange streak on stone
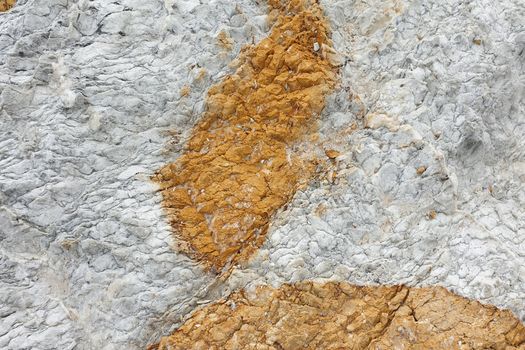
pixel 309 315
pixel 225 41
pixel 239 166
pixel 6 5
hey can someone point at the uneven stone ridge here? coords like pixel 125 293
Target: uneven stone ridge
pixel 309 315
pixel 239 166
pixel 6 5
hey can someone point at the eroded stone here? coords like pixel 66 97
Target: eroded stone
pixel 6 5
pixel 310 315
pixel 239 166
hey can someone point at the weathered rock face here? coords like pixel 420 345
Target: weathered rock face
pixel 410 202
pixel 5 5
pixel 310 315
pixel 239 166
pixel 422 183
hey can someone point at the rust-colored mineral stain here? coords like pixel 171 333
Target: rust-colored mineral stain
pixel 332 154
pixel 185 91
pixel 309 315
pixel 6 5
pixel 225 41
pixel 239 166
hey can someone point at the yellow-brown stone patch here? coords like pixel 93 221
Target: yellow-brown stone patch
pixel 225 41
pixel 6 5
pixel 239 166
pixel 342 316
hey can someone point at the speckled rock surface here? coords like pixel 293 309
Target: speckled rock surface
pixel 90 92
pixel 425 187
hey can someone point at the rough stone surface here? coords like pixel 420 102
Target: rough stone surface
pixel 341 316
pixel 89 102
pixel 6 5
pixel 424 185
pixel 241 162
pixel 419 91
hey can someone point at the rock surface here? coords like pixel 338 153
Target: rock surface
pixel 240 164
pixel 418 92
pixel 424 183
pixel 6 5
pixel 341 316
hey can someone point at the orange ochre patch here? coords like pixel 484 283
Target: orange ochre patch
pixel 310 315
pixel 239 166
pixel 6 5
